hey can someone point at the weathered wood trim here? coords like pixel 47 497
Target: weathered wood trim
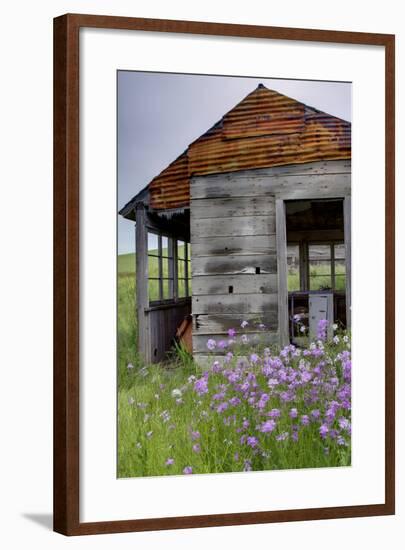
pixel 170 253
pixel 142 291
pixel 186 270
pixel 175 271
pixel 307 181
pixel 339 166
pixel 160 267
pixel 347 212
pixel 291 187
pixel 281 237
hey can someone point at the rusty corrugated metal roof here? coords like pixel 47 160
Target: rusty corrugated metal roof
pixel 265 129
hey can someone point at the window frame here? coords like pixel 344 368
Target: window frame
pixel 331 260
pixel 171 276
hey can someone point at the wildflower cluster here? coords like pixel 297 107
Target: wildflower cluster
pixel 258 410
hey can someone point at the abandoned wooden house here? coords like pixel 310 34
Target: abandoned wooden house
pixel 252 222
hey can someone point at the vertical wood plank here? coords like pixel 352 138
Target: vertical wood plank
pixel 347 212
pixel 175 270
pixel 170 253
pixel 186 285
pixel 160 267
pixel 142 294
pixel 281 241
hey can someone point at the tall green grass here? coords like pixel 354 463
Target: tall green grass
pixel 145 392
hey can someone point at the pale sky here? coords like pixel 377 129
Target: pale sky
pixel 160 114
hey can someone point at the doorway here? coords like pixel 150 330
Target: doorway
pixel 316 265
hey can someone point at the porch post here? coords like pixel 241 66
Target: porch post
pixel 347 211
pixel 281 240
pixel 142 283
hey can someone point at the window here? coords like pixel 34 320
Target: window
pixel 168 268
pixel 183 269
pixel 327 268
pixel 293 267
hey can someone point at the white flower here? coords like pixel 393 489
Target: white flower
pixel 130 366
pixel 176 393
pixel 336 339
pixel 131 400
pixel 345 338
pixel 303 329
pixel 334 326
pixel 244 324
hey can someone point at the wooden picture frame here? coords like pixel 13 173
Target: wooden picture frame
pixel 67 283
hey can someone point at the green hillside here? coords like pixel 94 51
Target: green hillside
pixel 126 263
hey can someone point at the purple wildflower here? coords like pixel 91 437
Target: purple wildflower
pixel 222 407
pixel 169 461
pixel 344 423
pixel 323 431
pixel 322 329
pixel 197 448
pixel 231 332
pixel 268 426
pixel 274 413
pixel 247 466
pixel 188 470
pixel 201 386
pixel 305 420
pixel 195 435
pixel 252 441
pixel 211 344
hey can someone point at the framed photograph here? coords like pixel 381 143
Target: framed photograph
pixel 223 274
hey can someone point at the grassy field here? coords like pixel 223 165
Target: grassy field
pixel 174 419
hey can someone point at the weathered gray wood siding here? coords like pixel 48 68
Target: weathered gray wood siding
pixel 233 262
pixel 233 233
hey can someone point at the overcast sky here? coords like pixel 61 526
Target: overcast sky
pixel 160 114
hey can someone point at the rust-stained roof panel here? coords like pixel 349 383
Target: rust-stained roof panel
pixel 265 129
